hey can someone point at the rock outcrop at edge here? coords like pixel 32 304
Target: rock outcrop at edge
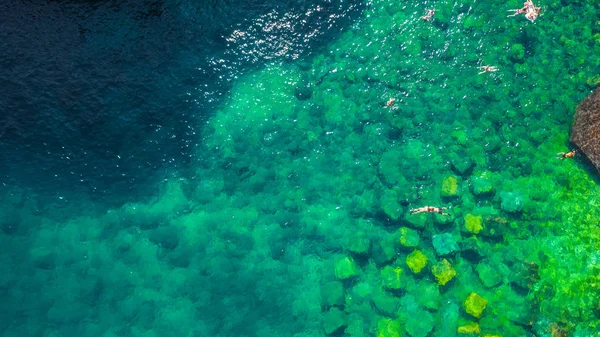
pixel 585 132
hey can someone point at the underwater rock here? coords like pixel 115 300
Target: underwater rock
pixel 473 223
pixel 449 187
pixel 417 221
pixel 303 89
pixel 585 132
pixel 474 305
pixel 443 221
pixel 358 243
pixel 345 268
pixel 462 164
pixel 388 327
pixel 333 320
pixel 448 320
pixel 471 249
pixel 517 52
pixel 512 202
pixel 488 274
pixel 470 328
pixel 416 261
pixel 391 277
pixel 444 244
pixel 426 293
pixel 332 294
pixel 361 292
pixel 385 251
pixel 385 303
pixel 390 205
pixel 443 272
pixel 421 324
pixel 481 186
pixel 409 237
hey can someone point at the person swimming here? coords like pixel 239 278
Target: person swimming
pixel 531 12
pixel 429 13
pixel 429 209
pixel 485 69
pixel 565 155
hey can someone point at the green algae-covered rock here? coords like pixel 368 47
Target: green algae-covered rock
pixel 390 205
pixel 447 323
pixel 471 249
pixel 389 166
pixel 593 81
pixel 488 274
pixel 474 305
pixel 420 323
pixel 358 243
pixel 444 244
pixel 416 261
pixel 473 223
pixel 417 221
pixel 391 277
pixel 443 272
pixel 362 291
pixel 346 268
pixel 449 187
pixel 512 202
pixel 444 221
pixel 356 326
pixel 417 322
pixel 388 327
pixel 385 251
pixel 332 293
pixel 517 51
pixel 462 164
pixel 427 294
pixel 469 329
pixel 481 186
pixel 408 237
pixel 385 303
pixel 333 320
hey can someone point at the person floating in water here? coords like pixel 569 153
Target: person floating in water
pixel 565 155
pixel 429 209
pixel 485 69
pixel 428 15
pixel 390 103
pixel 531 12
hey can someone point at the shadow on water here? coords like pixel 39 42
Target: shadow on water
pixel 102 98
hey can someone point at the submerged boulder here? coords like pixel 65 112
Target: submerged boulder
pixel 585 132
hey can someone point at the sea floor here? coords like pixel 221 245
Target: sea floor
pixel 293 218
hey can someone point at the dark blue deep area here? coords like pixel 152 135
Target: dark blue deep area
pixel 102 98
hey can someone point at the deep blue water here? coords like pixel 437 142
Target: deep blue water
pixel 103 98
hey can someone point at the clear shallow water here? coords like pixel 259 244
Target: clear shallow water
pixel 291 216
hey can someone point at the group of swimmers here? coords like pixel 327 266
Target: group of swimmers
pixel 531 13
pixel 529 9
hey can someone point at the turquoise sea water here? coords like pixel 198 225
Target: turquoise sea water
pixel 249 180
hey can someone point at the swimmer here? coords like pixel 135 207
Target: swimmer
pixel 390 103
pixel 485 69
pixel 565 155
pixel 531 12
pixel 428 15
pixel 429 209
pixel 516 12
pixel 531 15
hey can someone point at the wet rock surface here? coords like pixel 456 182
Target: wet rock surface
pixel 585 132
